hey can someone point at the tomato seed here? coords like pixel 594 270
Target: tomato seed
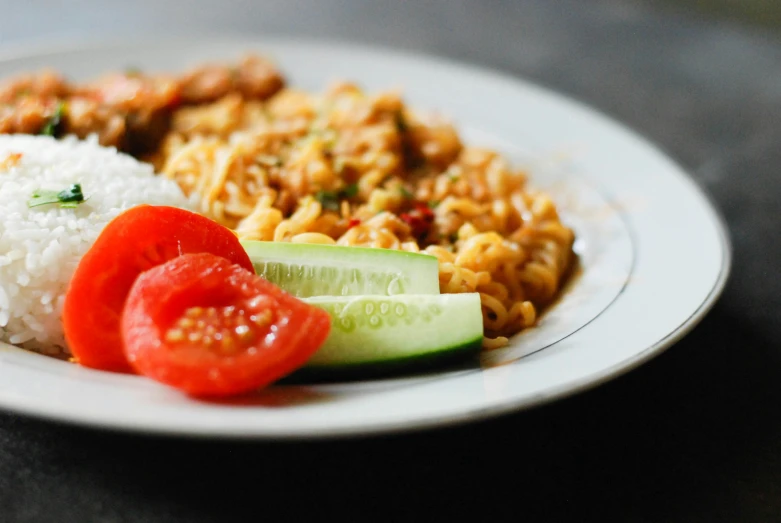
pixel 262 319
pixel 174 335
pixel 228 346
pixel 194 312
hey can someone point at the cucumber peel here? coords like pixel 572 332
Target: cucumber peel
pixel 387 315
pixel 306 270
pixel 386 334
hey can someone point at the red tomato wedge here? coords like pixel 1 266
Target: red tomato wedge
pixel 135 241
pixel 211 328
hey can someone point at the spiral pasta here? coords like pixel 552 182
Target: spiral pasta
pixel 349 168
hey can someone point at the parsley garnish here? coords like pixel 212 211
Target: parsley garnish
pixel 328 199
pixel 432 204
pixel 69 198
pixel 350 191
pixel 51 125
pixel 405 193
pixel 331 199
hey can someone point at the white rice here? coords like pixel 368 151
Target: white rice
pixel 40 247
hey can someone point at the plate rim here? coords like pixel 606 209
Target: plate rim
pixel 42 48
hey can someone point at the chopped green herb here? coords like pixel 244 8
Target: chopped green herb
pixel 69 198
pixel 51 125
pixel 432 204
pixel 331 199
pixel 328 199
pixel 454 178
pixel 405 193
pixel 453 237
pixel 72 194
pixel 350 191
pixel 43 198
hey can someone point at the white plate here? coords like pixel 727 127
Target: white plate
pixel 654 257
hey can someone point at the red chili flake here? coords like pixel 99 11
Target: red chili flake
pixel 419 219
pixel 425 211
pixel 354 222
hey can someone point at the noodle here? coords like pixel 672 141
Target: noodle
pixel 352 169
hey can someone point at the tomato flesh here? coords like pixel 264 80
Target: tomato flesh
pixel 211 328
pixel 135 241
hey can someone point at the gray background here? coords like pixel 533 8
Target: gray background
pixel 693 436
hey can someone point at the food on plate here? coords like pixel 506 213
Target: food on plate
pixel 68 198
pixel 213 328
pixel 308 269
pixel 355 169
pixel 174 296
pixel 40 245
pixel 338 193
pixel 380 334
pixel 126 110
pixel 133 242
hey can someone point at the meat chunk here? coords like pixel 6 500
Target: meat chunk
pixel 254 78
pixel 130 111
pixel 133 92
pixel 258 78
pixel 85 116
pixel 206 84
pixel 145 130
pixel 29 115
pixel 45 84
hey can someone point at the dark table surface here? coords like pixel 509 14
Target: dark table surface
pixel 694 435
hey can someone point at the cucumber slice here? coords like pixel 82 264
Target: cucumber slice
pixel 306 270
pixel 384 334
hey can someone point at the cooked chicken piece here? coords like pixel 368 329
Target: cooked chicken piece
pixel 206 84
pixel 258 78
pixel 46 84
pixel 29 115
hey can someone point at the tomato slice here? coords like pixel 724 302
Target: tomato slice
pixel 211 328
pixel 135 241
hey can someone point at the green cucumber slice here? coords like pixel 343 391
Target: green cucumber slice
pixel 375 334
pixel 306 270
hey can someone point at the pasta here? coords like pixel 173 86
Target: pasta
pixel 350 168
